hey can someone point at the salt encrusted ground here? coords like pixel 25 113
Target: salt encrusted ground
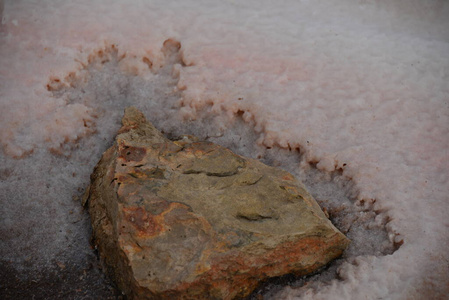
pixel 360 88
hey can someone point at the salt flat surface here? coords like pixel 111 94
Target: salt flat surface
pixel 359 87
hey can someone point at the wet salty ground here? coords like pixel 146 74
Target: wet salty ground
pixel 46 254
pixel 83 279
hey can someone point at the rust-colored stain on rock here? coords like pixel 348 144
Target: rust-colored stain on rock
pixel 193 220
pixel 143 221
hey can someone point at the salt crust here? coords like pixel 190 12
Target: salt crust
pixel 358 86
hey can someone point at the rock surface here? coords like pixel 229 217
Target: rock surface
pixel 192 220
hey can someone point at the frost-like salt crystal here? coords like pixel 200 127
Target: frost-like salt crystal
pixel 359 87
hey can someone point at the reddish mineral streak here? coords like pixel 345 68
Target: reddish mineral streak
pixel 143 221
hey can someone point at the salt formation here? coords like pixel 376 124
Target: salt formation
pixel 190 219
pixel 354 90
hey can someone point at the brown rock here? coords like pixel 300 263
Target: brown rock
pixel 193 220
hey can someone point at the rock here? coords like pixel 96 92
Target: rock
pixel 193 220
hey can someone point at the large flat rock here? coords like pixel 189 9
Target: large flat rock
pixel 193 220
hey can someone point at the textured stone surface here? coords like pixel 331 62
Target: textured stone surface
pixel 192 220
